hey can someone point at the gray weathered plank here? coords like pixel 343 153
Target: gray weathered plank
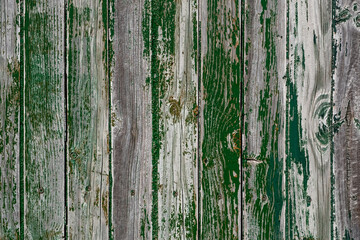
pixel 9 119
pixel 308 161
pixel 87 120
pixel 43 119
pixel 131 125
pixel 346 119
pixel 264 119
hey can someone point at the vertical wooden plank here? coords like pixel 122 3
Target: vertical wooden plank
pixel 178 89
pixel 168 89
pixel 308 137
pixel 131 122
pixel 264 119
pixel 287 125
pixel 43 119
pixel 220 119
pixel 346 27
pixel 88 120
pixel 9 119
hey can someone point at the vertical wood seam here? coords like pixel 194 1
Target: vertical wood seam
pixel 66 122
pixel 198 120
pixel 242 78
pixel 22 117
pixel 109 116
pixel 332 176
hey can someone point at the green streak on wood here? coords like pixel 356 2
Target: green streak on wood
pixel 44 133
pixel 22 121
pixel 263 190
pixel 9 120
pixel 88 119
pixel 157 14
pixel 221 82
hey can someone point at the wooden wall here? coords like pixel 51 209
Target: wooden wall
pixel 179 119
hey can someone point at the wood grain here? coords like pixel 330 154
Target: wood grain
pixel 287 126
pixel 43 120
pixel 192 119
pixel 88 120
pixel 264 119
pixel 169 31
pixel 131 122
pixel 9 119
pixel 219 103
pixel 346 117
pixel 308 162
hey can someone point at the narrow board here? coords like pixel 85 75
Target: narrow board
pixel 346 98
pixel 219 104
pixel 309 120
pixel 9 119
pixel 131 123
pixel 88 148
pixel 264 126
pixel 43 120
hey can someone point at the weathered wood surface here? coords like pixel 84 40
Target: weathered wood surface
pixel 219 103
pixel 264 119
pixel 9 119
pixel 87 120
pixel 346 67
pixel 193 119
pixel 43 120
pixel 287 126
pixel 131 122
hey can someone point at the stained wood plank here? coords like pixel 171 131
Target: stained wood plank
pixel 9 119
pixel 346 27
pixel 308 161
pixel 163 98
pixel 288 124
pixel 131 122
pixel 43 120
pixel 88 120
pixel 177 167
pixel 219 139
pixel 264 119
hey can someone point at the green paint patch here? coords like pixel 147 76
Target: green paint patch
pixel 221 115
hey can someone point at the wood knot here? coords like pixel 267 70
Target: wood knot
pixel 41 190
pixel 132 192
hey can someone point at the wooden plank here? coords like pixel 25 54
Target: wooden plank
pixel 163 98
pixel 287 148
pixel 178 89
pixel 219 140
pixel 131 124
pixel 308 136
pixel 9 119
pixel 346 119
pixel 88 120
pixel 264 119
pixel 43 120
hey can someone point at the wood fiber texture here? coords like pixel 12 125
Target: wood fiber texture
pixel 179 119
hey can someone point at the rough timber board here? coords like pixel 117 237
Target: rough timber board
pixel 9 119
pixel 287 128
pixel 346 69
pixel 43 120
pixel 88 120
pixel 219 105
pixel 131 125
